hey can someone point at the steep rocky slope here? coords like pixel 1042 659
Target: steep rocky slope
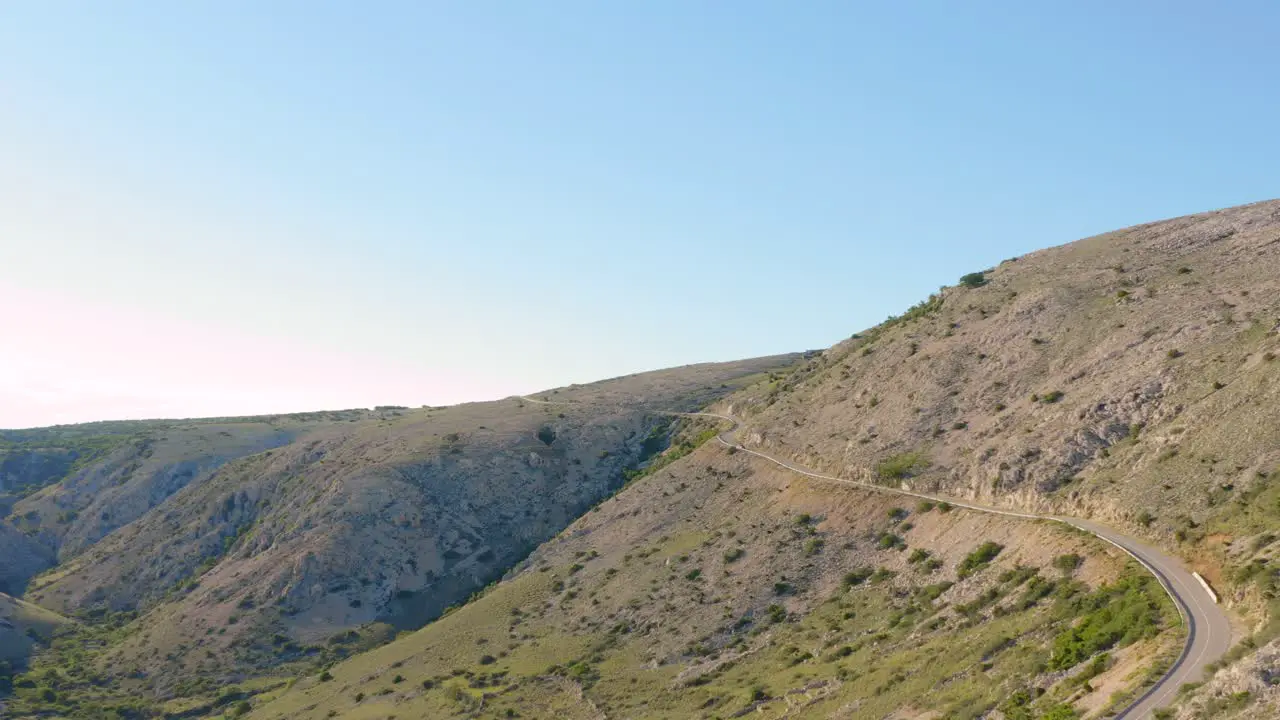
pixel 138 475
pixel 1062 378
pixel 724 586
pixel 214 550
pixel 67 487
pixel 1133 377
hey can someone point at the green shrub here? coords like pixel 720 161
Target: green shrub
pixel 880 575
pixel 901 466
pixel 733 554
pixel 1017 706
pixel 1060 711
pixel 921 309
pixel 889 541
pixel 1068 563
pixel 857 576
pixel 934 591
pixel 1116 616
pixel 973 279
pixel 979 558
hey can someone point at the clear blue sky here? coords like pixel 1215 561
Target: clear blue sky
pixel 235 206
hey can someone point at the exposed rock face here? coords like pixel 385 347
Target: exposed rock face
pixel 137 476
pixel 1248 689
pixel 31 467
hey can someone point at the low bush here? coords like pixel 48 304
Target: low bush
pixel 901 466
pixel 978 559
pixel 1068 563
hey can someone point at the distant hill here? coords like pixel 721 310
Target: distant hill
pixel 204 551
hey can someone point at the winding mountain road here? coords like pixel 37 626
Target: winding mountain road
pixel 1208 629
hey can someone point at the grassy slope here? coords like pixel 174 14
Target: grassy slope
pixel 19 621
pixel 717 584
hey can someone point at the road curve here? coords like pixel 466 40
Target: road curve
pixel 1208 629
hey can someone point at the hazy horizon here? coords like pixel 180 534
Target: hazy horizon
pixel 228 209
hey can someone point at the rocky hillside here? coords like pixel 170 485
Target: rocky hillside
pixel 1132 377
pixel 724 586
pixel 67 487
pixel 1132 371
pixel 241 544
